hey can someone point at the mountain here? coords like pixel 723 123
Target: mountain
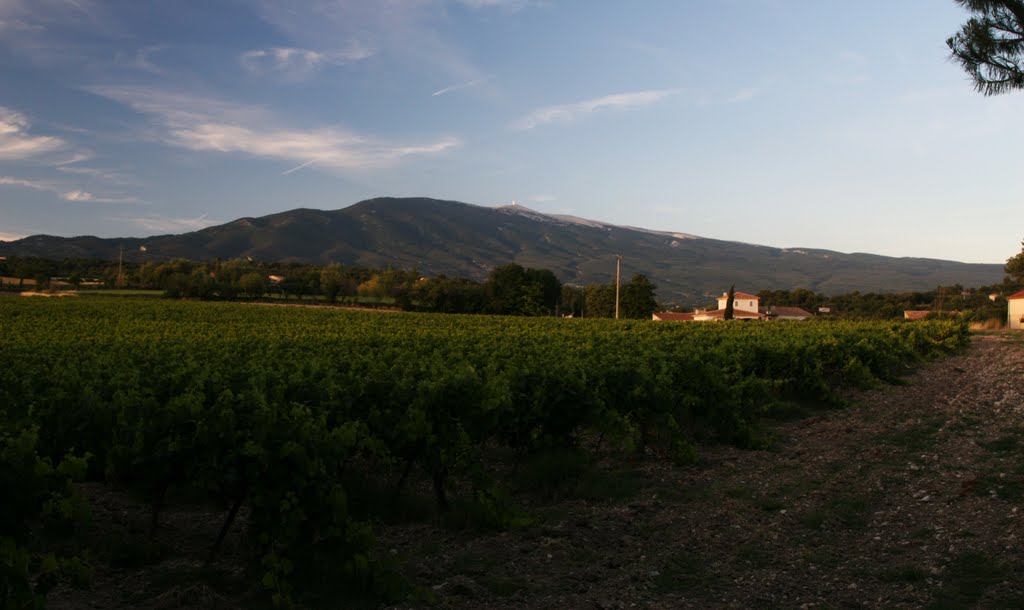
pixel 459 239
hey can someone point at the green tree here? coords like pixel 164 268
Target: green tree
pixel 729 307
pixel 599 301
pixel 637 299
pixel 332 281
pixel 571 301
pixel 504 286
pixel 253 284
pixel 544 282
pixel 1015 266
pixel 990 46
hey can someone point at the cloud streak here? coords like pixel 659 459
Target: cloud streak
pixel 295 64
pixel 460 86
pixel 202 124
pixel 570 112
pixel 96 173
pixel 72 195
pixel 15 142
pixel 162 224
pixel 507 5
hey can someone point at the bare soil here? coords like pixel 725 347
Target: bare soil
pixel 909 497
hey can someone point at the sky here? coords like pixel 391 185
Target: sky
pixel 789 123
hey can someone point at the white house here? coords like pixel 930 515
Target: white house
pixel 1015 310
pixel 741 301
pixel 745 307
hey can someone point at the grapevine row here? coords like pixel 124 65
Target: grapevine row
pixel 276 409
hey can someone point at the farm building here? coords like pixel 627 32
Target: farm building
pixel 916 314
pixel 719 314
pixel 788 313
pixel 1015 310
pixel 745 307
pixel 672 316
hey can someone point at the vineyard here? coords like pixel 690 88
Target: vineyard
pixel 289 420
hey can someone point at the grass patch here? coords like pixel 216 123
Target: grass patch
pixel 916 437
pixel 472 564
pixel 789 410
pixel 905 573
pixel 115 292
pixel 756 553
pixel 739 493
pixel 1009 443
pixel 967 579
pixel 137 552
pixel 571 473
pixel 769 504
pixel 845 511
pixel 1006 488
pixel 682 572
pixel 502 586
pixel 618 485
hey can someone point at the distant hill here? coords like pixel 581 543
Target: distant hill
pixel 459 239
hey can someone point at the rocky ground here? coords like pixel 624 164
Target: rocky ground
pixel 909 497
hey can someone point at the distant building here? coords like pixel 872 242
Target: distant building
pixel 789 313
pixel 740 301
pixel 1015 311
pixel 671 316
pixel 916 314
pixel 745 307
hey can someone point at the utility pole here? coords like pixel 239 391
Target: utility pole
pixel 618 269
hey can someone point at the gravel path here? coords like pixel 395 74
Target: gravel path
pixel 910 497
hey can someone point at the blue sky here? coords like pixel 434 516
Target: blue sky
pixel 791 123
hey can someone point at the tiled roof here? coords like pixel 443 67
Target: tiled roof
pixel 916 314
pixel 736 314
pixel 739 295
pixel 1019 295
pixel 790 311
pixel 672 316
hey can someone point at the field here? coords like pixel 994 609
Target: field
pixel 311 440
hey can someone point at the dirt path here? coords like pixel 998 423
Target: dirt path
pixel 909 498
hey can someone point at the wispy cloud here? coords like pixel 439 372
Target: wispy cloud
pixel 163 224
pixel 142 60
pixel 294 64
pixel 80 196
pixel 35 185
pixel 508 5
pixel 460 86
pixel 36 15
pixel 203 124
pixel 409 33
pixel 15 141
pixel 106 175
pixel 50 31
pixel 73 195
pixel 743 95
pixel 570 112
pixel 298 167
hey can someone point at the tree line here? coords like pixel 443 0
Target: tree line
pixel 509 289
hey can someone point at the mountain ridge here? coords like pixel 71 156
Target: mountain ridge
pixel 461 239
